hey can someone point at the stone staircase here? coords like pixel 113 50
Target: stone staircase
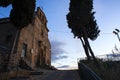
pixel 13 61
pixel 24 64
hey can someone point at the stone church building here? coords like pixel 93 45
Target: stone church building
pixel 33 47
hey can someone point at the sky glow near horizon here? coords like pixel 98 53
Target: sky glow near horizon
pixel 66 49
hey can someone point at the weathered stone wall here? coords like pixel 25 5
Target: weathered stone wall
pixel 35 38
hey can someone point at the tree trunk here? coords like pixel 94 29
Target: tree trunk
pixel 87 43
pixel 89 48
pixel 94 58
pixel 85 49
pixel 92 54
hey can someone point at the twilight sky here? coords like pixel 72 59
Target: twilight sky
pixel 66 49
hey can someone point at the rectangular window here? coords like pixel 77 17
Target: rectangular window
pixel 24 50
pixel 39 43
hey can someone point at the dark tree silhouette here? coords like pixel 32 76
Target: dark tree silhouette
pixel 5 3
pixel 82 23
pixel 22 12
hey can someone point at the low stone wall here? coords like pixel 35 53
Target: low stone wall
pixel 86 73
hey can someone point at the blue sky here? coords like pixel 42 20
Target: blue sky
pixel 66 49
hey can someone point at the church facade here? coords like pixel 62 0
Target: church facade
pixel 33 46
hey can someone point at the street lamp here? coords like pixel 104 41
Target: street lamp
pixel 116 33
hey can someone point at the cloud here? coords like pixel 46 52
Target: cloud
pixel 67 67
pixel 64 66
pixel 55 58
pixel 57 51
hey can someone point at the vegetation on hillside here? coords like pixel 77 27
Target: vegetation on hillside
pixel 109 70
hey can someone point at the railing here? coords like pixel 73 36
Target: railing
pixel 86 73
